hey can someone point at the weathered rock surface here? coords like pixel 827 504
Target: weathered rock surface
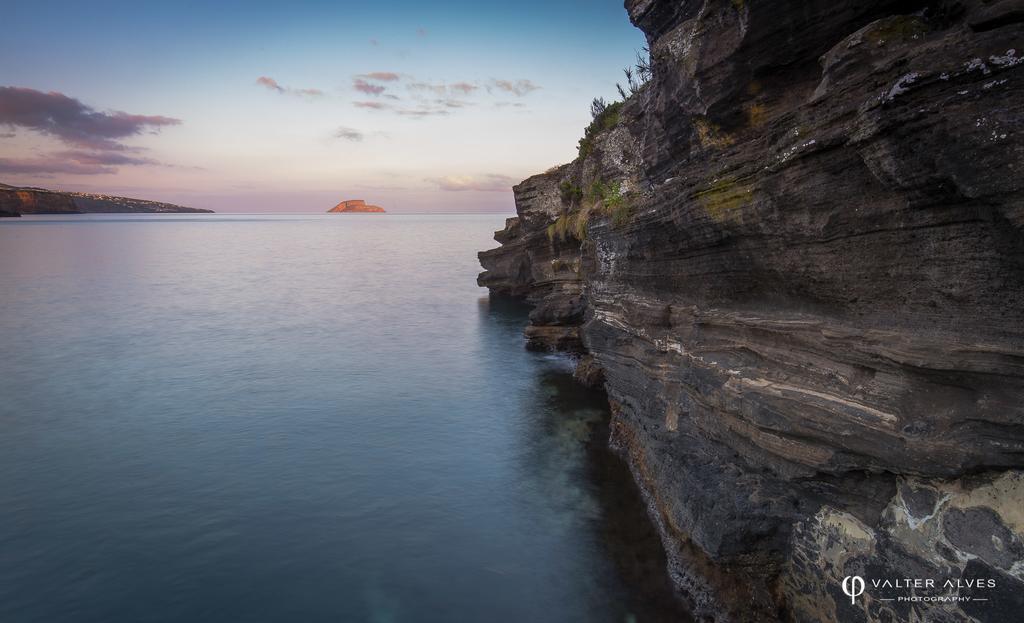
pixel 806 295
pixel 356 205
pixel 29 201
pixel 43 201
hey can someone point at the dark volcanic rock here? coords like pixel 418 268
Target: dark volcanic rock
pixel 798 259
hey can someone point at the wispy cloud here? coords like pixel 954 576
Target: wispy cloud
pixel 515 87
pixel 375 83
pixel 103 158
pixel 380 76
pixel 439 89
pixel 453 103
pixel 354 135
pixel 71 121
pixel 73 162
pixel 491 182
pixel 366 87
pixel 48 166
pixel 270 83
pixel 427 98
pixel 421 110
pixel 420 113
pixel 460 89
pixel 274 85
pixel 464 88
pixel 349 134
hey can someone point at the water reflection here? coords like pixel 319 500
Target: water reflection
pixel 303 419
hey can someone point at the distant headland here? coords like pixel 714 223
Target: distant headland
pixel 15 201
pixel 355 205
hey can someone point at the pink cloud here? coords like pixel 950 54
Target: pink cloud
pixel 464 87
pixel 103 158
pixel 365 87
pixel 72 162
pixel 270 83
pixel 380 76
pixel 274 85
pixel 515 87
pixel 71 121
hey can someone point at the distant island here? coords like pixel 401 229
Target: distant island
pixel 355 205
pixel 15 201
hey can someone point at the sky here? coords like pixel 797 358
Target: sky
pixel 294 106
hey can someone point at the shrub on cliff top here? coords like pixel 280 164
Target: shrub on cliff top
pixel 605 119
pixel 638 75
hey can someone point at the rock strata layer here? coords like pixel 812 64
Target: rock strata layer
pixel 795 259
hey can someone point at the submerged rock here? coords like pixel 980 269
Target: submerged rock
pixel 797 257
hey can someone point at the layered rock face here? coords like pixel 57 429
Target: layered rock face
pixel 796 257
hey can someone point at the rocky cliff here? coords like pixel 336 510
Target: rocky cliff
pixel 42 201
pixel 17 201
pixel 356 205
pixel 795 259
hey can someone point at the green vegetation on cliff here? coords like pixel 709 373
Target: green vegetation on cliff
pixel 605 117
pixel 605 198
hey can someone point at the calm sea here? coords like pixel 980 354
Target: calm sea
pixel 296 418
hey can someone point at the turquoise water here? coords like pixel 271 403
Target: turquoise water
pixel 305 418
